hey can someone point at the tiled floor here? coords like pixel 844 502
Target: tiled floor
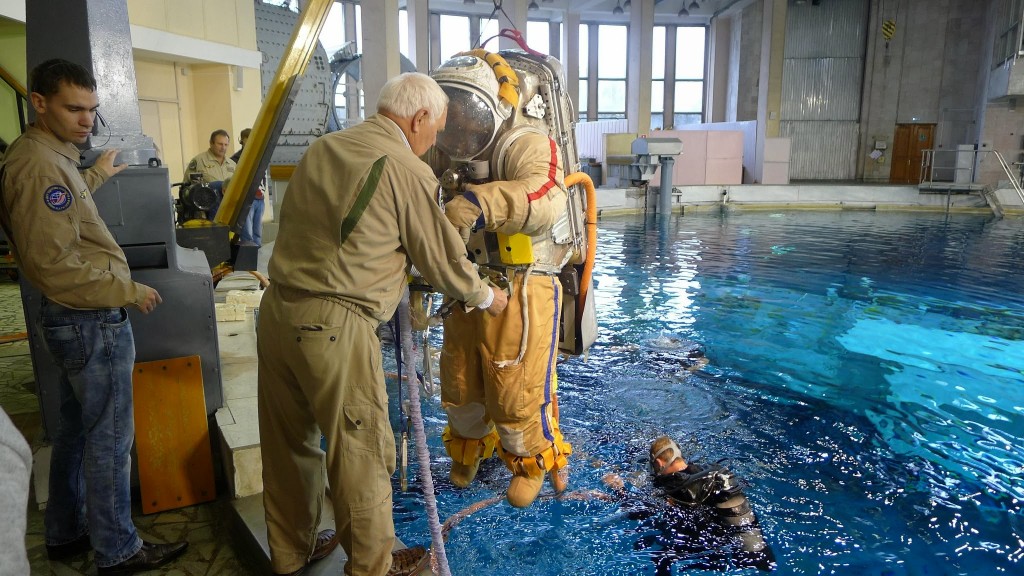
pixel 206 527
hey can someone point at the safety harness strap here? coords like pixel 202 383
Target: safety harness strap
pixel 467 450
pixel 552 458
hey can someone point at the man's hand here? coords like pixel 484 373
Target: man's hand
pixel 613 481
pixel 149 303
pixel 461 212
pixel 499 303
pixel 106 163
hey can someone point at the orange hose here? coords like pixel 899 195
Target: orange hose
pixel 591 224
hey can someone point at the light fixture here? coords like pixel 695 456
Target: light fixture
pixel 618 8
pixel 533 5
pixel 627 4
pixel 683 11
pixel 694 5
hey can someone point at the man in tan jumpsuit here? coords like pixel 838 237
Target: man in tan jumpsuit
pixel 63 248
pixel 498 375
pixel 214 165
pixel 361 208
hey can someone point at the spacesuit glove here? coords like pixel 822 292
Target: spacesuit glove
pixel 461 212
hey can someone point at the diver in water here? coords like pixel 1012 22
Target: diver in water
pixel 708 525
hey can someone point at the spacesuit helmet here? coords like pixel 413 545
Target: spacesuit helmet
pixel 666 450
pixel 475 112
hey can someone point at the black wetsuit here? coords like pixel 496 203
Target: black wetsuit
pixel 709 525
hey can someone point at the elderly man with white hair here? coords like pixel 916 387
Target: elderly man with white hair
pixel 360 210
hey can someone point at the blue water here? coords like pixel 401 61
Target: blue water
pixel 865 378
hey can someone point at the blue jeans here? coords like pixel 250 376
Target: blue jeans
pixel 90 467
pixel 252 227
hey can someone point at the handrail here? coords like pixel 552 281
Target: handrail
pixel 20 95
pixel 13 82
pixel 929 167
pixel 1009 175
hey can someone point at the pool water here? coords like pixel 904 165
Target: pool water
pixel 866 379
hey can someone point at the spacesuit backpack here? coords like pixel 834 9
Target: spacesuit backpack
pixel 495 99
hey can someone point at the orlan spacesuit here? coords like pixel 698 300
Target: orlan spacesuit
pixel 508 141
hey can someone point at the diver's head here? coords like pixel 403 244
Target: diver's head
pixel 476 112
pixel 666 457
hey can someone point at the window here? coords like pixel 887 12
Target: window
pixel 538 36
pixel 688 103
pixel 403 32
pixel 611 71
pixel 1008 27
pixel 454 35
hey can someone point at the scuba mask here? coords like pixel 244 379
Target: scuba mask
pixel 667 450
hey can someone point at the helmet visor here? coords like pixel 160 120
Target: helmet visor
pixel 470 127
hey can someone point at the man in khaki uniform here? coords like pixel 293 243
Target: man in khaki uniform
pixel 361 208
pixel 63 248
pixel 214 165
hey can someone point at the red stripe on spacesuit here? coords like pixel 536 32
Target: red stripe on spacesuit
pixel 552 166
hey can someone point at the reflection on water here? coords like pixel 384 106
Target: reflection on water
pixel 865 375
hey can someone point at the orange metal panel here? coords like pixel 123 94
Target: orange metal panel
pixel 172 436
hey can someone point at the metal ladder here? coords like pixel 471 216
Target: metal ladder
pixel 1013 181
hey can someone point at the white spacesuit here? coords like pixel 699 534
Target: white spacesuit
pixel 506 146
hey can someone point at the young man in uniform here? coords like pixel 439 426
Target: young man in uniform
pixel 214 165
pixel 63 248
pixel 361 209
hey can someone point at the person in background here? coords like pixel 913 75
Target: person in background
pixel 63 248
pixel 708 523
pixel 360 211
pixel 15 473
pixel 252 225
pixel 214 165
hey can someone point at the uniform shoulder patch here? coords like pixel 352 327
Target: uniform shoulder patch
pixel 57 198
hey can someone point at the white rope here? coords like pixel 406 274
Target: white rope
pixel 439 560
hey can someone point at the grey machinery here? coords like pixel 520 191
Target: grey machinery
pixel 136 204
pixel 649 152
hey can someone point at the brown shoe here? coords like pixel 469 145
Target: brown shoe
pixel 408 561
pixel 326 542
pixel 148 557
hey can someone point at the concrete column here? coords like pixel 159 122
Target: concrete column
pixel 435 41
pixel 670 77
pixel 554 41
pixel 517 11
pixel 638 66
pixel 592 65
pixel 381 59
pixel 571 60
pixel 769 97
pixel 351 88
pixel 717 78
pixel 419 33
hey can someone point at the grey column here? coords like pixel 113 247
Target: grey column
pixel 638 71
pixel 419 34
pixel 94 34
pixel 381 58
pixel 571 59
pixel 516 10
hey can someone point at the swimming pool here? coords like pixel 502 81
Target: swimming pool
pixel 866 378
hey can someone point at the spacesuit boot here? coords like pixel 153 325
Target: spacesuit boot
pixel 467 454
pixel 523 490
pixel 462 475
